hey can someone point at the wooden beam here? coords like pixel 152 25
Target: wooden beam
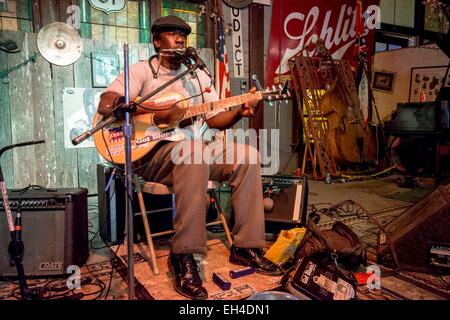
pixel 49 11
pixel 37 24
pixel 256 52
pixel 209 27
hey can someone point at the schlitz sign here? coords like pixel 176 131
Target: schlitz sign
pixel 296 25
pixel 108 6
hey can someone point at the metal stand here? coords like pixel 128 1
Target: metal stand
pixel 127 132
pixel 25 292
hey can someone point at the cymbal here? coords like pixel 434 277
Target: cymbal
pixel 59 43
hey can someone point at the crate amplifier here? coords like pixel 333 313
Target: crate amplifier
pixel 289 201
pixel 54 230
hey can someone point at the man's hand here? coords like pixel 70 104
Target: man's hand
pixel 249 108
pixel 169 118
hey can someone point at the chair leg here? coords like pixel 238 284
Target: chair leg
pixel 225 227
pixel 222 217
pixel 151 249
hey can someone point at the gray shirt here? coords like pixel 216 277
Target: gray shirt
pixel 142 82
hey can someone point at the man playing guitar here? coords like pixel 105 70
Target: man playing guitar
pixel 190 179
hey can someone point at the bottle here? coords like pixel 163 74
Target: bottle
pixel 328 178
pixel 423 97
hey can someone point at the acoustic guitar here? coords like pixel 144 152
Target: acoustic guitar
pixel 110 141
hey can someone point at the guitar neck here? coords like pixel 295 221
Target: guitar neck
pixel 220 104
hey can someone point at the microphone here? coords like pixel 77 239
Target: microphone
pixel 191 53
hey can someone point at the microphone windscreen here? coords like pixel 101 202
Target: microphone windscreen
pixel 268 204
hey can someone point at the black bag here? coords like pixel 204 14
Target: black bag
pixel 330 251
pixel 339 243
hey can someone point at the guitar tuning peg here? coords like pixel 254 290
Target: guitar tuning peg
pixel 274 88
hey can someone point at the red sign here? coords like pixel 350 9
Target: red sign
pixel 296 26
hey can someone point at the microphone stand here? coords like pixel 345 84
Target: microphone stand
pixel 25 292
pixel 128 132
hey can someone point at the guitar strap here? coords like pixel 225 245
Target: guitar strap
pixel 155 72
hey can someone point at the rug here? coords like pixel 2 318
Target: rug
pixel 98 281
pixel 102 281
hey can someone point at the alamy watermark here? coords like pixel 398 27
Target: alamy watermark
pixel 374 280
pixel 238 147
pixel 73 19
pixel 74 280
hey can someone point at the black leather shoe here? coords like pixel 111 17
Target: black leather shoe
pixel 186 279
pixel 253 258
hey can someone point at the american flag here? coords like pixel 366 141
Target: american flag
pixel 223 85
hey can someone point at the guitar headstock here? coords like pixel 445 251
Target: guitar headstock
pixel 280 92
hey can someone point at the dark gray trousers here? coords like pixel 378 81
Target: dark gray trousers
pixel 187 166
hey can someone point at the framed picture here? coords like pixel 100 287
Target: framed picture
pixel 383 81
pixel 105 68
pixel 426 82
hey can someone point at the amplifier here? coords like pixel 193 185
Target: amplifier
pixel 290 201
pixel 54 230
pixel 111 208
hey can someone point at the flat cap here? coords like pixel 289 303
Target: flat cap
pixel 169 23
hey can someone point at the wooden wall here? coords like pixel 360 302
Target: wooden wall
pixel 31 108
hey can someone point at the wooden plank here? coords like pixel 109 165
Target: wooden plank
pixel 66 166
pixel 43 120
pixel 49 11
pixel 37 23
pixel 85 19
pixel 5 118
pixel 256 51
pixel 134 52
pixel 24 11
pixel 160 287
pixel 87 157
pixel 22 114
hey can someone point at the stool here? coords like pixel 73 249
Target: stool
pixel 161 189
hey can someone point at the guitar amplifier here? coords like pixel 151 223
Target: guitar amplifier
pixel 290 201
pixel 54 230
pixel 111 208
